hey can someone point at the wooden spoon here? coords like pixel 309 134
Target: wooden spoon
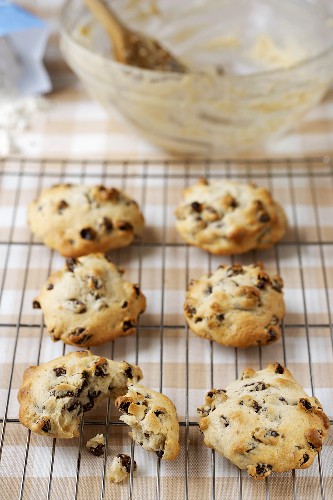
pixel 130 47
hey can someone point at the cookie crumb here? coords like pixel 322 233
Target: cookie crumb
pixel 96 445
pixel 120 468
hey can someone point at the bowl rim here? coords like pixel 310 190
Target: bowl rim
pixel 274 72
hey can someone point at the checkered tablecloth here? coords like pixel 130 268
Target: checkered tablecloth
pixel 174 360
pixel 92 147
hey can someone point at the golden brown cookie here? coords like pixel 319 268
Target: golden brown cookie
pixel 54 396
pixel 264 422
pixel 153 419
pixel 237 305
pixel 77 220
pixel 227 217
pixel 88 303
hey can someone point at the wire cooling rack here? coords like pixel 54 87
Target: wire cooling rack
pixel 173 359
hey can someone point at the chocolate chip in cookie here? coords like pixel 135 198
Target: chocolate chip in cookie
pixel 88 233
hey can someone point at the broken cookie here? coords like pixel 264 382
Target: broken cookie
pixel 54 396
pixel 153 419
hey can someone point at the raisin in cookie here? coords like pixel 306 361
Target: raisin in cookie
pixel 237 305
pixel 120 468
pixel 153 419
pixel 53 396
pixel 225 217
pixel 264 422
pixel 77 220
pixel 88 303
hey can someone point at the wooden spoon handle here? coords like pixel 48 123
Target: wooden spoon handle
pixel 108 19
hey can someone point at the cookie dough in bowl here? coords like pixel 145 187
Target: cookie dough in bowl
pixel 226 217
pixel 250 78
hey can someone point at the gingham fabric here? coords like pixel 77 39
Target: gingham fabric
pixel 172 358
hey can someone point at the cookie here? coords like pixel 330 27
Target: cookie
pixel 120 468
pixel 226 217
pixel 96 445
pixel 153 419
pixel 77 220
pixel 238 306
pixel 54 396
pixel 88 303
pixel 264 422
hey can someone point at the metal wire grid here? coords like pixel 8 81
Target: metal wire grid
pixel 166 171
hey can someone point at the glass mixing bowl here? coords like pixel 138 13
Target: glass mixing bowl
pixel 256 67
